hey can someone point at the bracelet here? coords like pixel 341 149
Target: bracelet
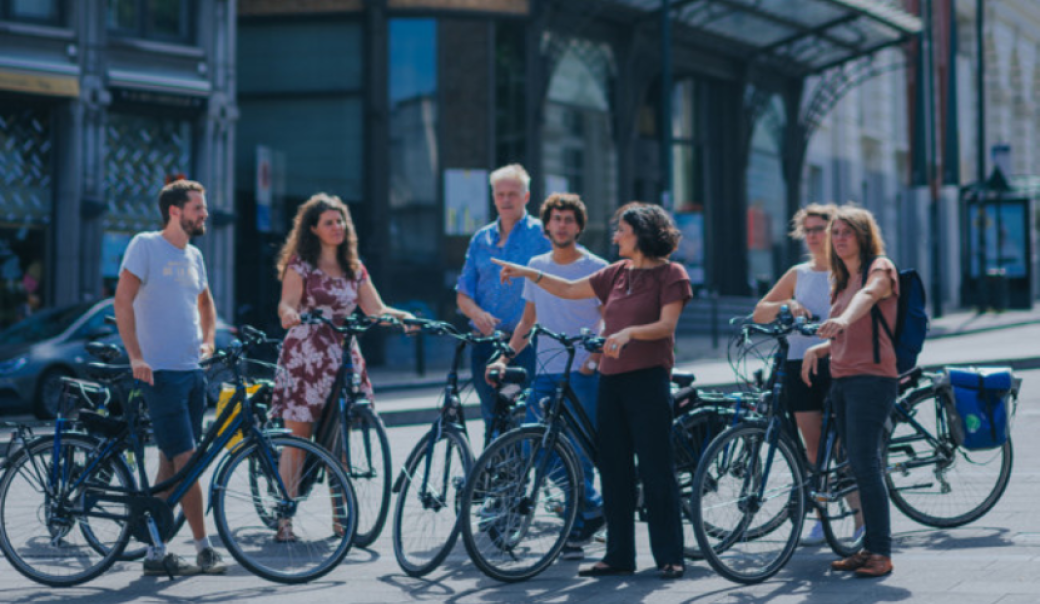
pixel 539 277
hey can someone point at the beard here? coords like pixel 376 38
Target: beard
pixel 563 242
pixel 193 229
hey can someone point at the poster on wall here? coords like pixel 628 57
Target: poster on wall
pixel 466 198
pixel 691 247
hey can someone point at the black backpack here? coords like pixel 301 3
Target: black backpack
pixel 911 319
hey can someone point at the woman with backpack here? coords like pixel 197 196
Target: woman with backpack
pixel 863 370
pixel 805 291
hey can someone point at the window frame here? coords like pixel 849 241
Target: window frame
pixel 60 20
pixel 142 29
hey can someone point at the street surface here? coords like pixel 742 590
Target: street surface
pixel 995 560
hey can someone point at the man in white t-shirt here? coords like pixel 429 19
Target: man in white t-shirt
pixel 563 216
pixel 167 320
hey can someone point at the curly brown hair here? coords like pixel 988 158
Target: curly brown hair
pixel 303 243
pixel 656 234
pixel 563 202
pixel 868 235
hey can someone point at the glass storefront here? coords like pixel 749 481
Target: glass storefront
pixel 688 177
pixel 767 205
pixel 26 205
pixel 578 146
pixel 142 153
pixel 414 141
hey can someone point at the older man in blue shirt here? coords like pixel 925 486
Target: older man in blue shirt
pixel 480 294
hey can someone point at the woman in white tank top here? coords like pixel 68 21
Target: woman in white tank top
pixel 805 290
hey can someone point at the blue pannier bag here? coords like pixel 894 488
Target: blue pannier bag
pixel 911 326
pixel 980 416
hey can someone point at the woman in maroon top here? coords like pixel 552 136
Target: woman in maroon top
pixel 642 298
pixel 864 378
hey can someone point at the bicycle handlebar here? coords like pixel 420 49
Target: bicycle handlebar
pixel 352 325
pixel 443 328
pixel 586 339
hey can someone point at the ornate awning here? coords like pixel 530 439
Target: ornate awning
pixel 805 36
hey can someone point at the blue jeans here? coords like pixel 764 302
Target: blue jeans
pixel 479 357
pixel 176 404
pixel 586 387
pixel 862 404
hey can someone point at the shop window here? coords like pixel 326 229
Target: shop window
pixel 163 20
pixel 767 215
pixel 578 152
pixel 22 279
pixel 414 213
pixel 45 12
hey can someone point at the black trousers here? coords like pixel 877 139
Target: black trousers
pixel 635 419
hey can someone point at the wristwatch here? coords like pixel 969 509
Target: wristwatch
pixel 591 365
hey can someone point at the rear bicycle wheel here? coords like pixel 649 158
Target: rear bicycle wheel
pixel 520 504
pixel 426 525
pixel 368 467
pixel 933 481
pixel 51 532
pixel 747 518
pixel 323 518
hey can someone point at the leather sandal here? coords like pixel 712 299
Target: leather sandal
pixel 876 566
pixel 853 562
pixel 603 570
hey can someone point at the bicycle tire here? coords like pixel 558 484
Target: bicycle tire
pixel 512 526
pixel 960 486
pixel 38 520
pixel 136 550
pixel 316 515
pixel 433 514
pixel 841 511
pixel 692 432
pixel 741 552
pixel 369 471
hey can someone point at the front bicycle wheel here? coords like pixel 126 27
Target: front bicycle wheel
pixel 840 505
pixel 368 467
pixel 320 521
pixel 520 504
pixel 426 515
pixel 748 504
pixel 930 479
pixel 53 528
pixel 692 432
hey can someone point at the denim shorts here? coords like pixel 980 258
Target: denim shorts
pixel 176 404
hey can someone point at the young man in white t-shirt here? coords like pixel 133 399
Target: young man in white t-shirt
pixel 564 216
pixel 167 320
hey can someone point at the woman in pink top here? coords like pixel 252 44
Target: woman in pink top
pixel 864 377
pixel 643 296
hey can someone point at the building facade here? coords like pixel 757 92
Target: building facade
pixel 101 102
pixel 403 107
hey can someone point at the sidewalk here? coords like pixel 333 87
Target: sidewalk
pixel 700 355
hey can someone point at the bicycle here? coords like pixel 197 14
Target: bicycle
pixel 754 483
pixel 431 481
pixel 523 494
pixel 69 503
pixel 353 432
pixel 929 477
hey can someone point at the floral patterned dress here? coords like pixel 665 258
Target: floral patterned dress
pixel 311 354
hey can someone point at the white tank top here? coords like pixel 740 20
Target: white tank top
pixel 813 291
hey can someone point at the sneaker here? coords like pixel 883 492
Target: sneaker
pixel 171 564
pixel 210 562
pixel 815 536
pixel 573 553
pixel 583 536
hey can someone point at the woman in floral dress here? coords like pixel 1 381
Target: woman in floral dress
pixel 320 271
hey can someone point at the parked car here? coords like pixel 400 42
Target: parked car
pixel 37 352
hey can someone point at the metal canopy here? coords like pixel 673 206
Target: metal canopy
pixel 806 36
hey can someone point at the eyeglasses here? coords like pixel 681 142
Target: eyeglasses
pixel 815 230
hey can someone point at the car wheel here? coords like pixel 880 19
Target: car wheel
pixel 48 393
